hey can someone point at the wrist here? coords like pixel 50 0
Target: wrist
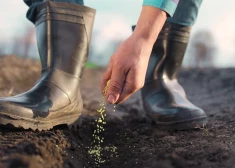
pixel 150 23
pixel 142 38
pixel 142 45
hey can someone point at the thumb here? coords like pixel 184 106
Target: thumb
pixel 116 84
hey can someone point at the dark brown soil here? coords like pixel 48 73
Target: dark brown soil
pixel 139 143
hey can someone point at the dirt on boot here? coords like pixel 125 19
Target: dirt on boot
pixel 139 143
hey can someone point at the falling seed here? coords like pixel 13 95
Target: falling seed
pixel 96 149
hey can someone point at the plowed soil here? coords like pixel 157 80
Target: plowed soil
pixel 140 144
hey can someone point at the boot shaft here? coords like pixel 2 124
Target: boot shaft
pixel 168 52
pixel 63 36
pixel 173 41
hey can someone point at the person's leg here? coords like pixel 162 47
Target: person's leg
pixel 163 97
pixel 33 3
pixel 185 16
pixel 186 12
pixel 63 32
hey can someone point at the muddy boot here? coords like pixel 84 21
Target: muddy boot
pixel 163 97
pixel 63 35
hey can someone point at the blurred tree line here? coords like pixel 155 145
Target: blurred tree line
pixel 201 50
pixel 22 44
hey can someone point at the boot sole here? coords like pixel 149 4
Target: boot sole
pixel 40 125
pixel 183 125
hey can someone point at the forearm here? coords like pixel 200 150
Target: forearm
pixel 150 23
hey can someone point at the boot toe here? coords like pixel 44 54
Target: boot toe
pixel 178 118
pixel 178 114
pixel 197 114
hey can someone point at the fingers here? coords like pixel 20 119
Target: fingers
pixel 106 77
pixel 123 83
pixel 127 91
pixel 132 84
pixel 116 84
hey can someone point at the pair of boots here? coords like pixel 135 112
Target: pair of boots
pixel 63 35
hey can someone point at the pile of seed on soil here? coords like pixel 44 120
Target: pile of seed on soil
pixel 139 143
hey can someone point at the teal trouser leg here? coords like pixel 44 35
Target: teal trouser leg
pixel 31 14
pixel 186 12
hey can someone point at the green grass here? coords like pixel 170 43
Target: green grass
pixel 91 65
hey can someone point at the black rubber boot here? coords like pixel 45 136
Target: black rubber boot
pixel 163 97
pixel 63 35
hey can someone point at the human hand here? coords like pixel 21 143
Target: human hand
pixel 126 69
pixel 128 65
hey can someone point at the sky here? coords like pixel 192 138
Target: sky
pixel 114 19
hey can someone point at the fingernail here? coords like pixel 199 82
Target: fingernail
pixel 111 99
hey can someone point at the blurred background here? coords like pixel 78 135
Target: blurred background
pixel 212 42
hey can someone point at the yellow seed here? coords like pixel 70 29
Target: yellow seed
pixel 96 150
